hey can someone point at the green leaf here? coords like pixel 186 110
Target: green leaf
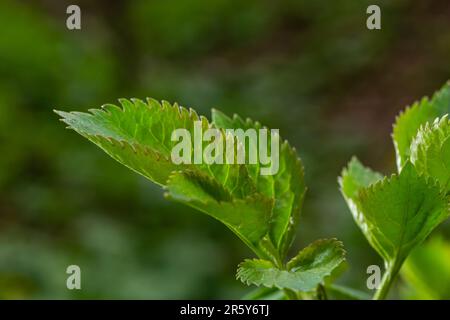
pixel 409 121
pixel 138 135
pixel 352 180
pixel 286 187
pixel 396 214
pixel 304 272
pixel 355 177
pixel 248 217
pixel 430 151
pixel 427 271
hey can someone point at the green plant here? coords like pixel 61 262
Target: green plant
pixel 395 213
pixel 262 210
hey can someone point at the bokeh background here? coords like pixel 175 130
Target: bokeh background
pixel 310 68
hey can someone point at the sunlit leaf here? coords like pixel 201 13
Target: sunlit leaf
pixel 139 135
pixel 395 214
pixel 430 151
pixel 409 121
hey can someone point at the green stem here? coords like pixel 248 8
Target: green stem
pixel 386 283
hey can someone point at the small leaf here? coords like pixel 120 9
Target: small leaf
pixel 409 121
pixel 398 213
pixel 138 134
pixel 352 180
pixel 430 151
pixel 355 177
pixel 304 272
pixel 325 253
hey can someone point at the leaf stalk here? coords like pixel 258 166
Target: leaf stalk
pixel 386 282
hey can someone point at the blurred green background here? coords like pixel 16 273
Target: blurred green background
pixel 310 68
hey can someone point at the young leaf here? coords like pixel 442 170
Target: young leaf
pixel 352 180
pixel 356 176
pixel 430 151
pixel 409 121
pixel 304 272
pixel 139 135
pixel 286 187
pixel 398 213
